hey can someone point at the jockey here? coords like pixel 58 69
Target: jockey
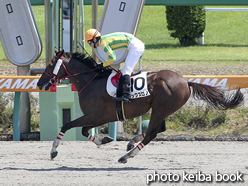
pixel 115 41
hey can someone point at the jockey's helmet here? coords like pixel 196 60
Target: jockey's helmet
pixel 91 34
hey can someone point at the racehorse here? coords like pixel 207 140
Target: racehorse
pixel 168 90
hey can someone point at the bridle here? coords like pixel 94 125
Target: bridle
pixel 54 79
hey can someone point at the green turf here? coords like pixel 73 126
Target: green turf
pixel 225 37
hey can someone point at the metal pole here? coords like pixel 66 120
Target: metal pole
pixel 25 103
pixel 48 31
pixel 94 22
pixel 81 23
pixel 56 24
pixel 94 13
pixel 71 25
pixel 17 116
pixel 61 30
pixel 112 130
pixel 75 26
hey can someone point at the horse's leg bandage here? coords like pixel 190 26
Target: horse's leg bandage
pixel 135 139
pixel 61 134
pixel 95 140
pixel 140 146
pixel 56 142
pixel 139 137
pixel 132 153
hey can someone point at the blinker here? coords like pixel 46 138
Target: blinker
pixel 57 67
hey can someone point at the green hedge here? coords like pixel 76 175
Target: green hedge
pixel 187 23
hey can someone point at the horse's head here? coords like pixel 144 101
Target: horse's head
pixel 52 72
pixel 76 63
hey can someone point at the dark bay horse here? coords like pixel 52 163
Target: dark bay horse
pixel 169 91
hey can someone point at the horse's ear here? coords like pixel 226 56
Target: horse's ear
pixel 61 54
pixel 56 50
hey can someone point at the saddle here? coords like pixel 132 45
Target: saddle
pixel 117 76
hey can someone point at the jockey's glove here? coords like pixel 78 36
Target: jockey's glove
pixel 99 66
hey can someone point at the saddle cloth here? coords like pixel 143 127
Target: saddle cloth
pixel 138 85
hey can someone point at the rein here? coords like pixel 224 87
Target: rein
pixel 53 80
pixel 87 83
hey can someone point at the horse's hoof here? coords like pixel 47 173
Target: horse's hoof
pixel 54 154
pixel 122 160
pixel 130 146
pixel 108 139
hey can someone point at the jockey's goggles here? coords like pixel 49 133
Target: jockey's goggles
pixel 90 41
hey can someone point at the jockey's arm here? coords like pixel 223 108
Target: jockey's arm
pixel 111 56
pixel 108 62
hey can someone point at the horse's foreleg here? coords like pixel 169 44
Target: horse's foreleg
pixel 83 121
pixel 95 140
pixel 56 142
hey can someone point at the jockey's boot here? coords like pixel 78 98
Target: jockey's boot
pixel 126 93
pixel 125 90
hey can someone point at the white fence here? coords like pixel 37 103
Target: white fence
pixel 200 41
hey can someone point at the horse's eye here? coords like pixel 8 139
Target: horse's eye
pixel 52 61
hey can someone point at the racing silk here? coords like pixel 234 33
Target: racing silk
pixel 114 41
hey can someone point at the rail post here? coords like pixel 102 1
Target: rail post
pixel 16 117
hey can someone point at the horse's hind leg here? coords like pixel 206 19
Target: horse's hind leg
pixel 85 132
pixel 156 125
pixel 149 136
pixel 162 126
pixel 135 139
pixel 140 137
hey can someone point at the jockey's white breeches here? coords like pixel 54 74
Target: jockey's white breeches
pixel 135 50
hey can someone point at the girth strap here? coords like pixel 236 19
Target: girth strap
pixel 120 111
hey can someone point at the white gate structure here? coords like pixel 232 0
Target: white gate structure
pixel 22 46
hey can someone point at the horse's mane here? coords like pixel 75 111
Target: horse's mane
pixel 88 61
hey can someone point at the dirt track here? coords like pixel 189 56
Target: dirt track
pixel 82 163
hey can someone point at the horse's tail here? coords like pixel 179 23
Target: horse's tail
pixel 216 97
